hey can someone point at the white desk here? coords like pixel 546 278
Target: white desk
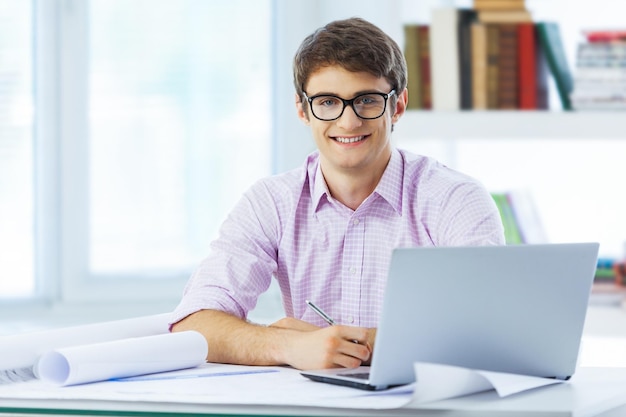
pixel 595 390
pixel 591 392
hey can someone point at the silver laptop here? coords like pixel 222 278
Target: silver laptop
pixel 518 309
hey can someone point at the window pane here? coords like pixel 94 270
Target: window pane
pixel 16 149
pixel 179 126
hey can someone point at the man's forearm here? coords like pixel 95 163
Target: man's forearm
pixel 233 340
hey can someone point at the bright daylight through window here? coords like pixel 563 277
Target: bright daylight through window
pixel 16 149
pixel 179 119
pixel 159 119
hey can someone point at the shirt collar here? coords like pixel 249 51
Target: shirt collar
pixel 389 187
pixel 319 188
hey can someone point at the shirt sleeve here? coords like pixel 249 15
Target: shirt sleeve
pixel 241 260
pixel 469 217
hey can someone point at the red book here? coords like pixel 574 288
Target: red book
pixel 532 69
pixel 527 66
pixel 608 35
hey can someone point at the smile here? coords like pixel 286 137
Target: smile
pixel 349 140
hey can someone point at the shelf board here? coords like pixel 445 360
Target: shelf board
pixel 511 125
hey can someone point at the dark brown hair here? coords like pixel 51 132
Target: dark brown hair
pixel 354 44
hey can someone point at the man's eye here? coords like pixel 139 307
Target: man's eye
pixel 326 101
pixel 367 100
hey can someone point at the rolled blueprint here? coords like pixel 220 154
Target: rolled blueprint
pixel 23 350
pixel 122 358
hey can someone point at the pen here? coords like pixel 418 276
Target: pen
pixel 323 315
pixel 320 313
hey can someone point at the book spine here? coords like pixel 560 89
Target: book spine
pixel 605 35
pixel 552 47
pixel 527 66
pixel 507 68
pixel 444 55
pixel 493 34
pixel 505 16
pixel 466 18
pixel 413 66
pixel 541 74
pixel 424 61
pixel 512 235
pixel 479 66
pixel 499 5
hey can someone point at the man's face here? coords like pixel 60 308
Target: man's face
pixel 350 143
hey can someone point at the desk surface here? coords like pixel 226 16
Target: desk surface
pixel 598 388
pixel 591 392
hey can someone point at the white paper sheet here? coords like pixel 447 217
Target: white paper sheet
pixel 23 350
pixel 248 385
pixel 213 383
pixel 438 382
pixel 122 358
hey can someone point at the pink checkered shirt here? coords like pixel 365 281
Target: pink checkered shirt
pixel 289 227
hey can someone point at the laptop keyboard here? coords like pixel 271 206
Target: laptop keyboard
pixel 358 375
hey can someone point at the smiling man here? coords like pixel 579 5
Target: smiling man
pixel 326 231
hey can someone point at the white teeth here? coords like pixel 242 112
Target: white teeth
pixel 349 140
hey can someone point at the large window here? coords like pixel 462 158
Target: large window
pixel 179 112
pixel 16 150
pixel 128 129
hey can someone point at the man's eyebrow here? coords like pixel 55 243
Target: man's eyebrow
pixel 358 93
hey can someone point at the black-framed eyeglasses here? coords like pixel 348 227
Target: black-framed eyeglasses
pixel 367 106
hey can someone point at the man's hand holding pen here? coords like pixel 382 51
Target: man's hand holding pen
pixel 314 347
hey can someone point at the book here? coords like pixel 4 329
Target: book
pixel 444 56
pixel 605 271
pixel 505 16
pixel 411 55
pixel 619 269
pixel 527 217
pixel 527 66
pixel 542 74
pixel 512 235
pixel 479 66
pixel 605 35
pixel 520 218
pixel 600 76
pixel 493 51
pixel 466 18
pixel 552 48
pixel 532 70
pixel 507 94
pixel 499 4
pixel 424 61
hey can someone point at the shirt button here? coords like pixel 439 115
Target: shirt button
pixel 353 270
pixel 351 319
pixel 355 222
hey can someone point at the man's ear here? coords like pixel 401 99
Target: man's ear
pixel 401 102
pixel 302 113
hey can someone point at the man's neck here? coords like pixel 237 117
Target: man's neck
pixel 352 186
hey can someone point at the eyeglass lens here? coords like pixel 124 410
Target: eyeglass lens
pixel 366 106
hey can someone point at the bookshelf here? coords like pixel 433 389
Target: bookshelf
pixel 571 161
pixel 513 124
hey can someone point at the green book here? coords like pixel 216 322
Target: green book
pixel 552 48
pixel 512 233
